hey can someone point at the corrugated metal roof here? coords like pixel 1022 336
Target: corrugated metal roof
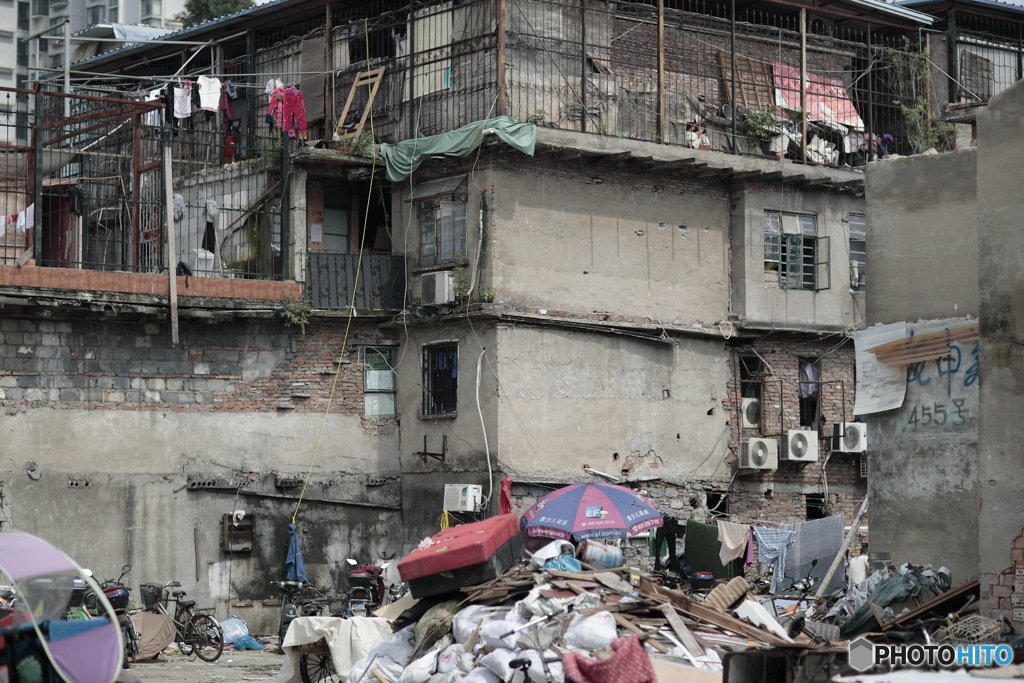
pixel 1010 6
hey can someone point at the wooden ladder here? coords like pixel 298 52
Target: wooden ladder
pixel 370 79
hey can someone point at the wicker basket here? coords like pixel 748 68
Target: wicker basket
pixel 151 592
pixel 972 630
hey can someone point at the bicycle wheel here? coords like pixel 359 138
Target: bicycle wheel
pixel 317 669
pixel 208 638
pixel 183 633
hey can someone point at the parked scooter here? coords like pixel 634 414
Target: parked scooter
pixel 119 597
pixel 366 588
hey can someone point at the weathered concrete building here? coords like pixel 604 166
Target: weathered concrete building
pixel 646 289
pixel 943 465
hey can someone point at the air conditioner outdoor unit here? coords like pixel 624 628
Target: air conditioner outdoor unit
pixel 801 446
pixel 760 454
pixel 437 287
pixel 750 413
pixel 850 437
pixel 462 497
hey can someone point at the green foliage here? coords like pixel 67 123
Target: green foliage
pixel 488 296
pixel 459 276
pixel 363 145
pixel 296 313
pixel 911 77
pixel 537 117
pixel 268 149
pixel 762 124
pixel 201 11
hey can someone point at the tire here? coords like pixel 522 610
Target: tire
pixel 317 669
pixel 183 635
pixel 208 638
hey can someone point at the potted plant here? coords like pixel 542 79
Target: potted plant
pixel 762 126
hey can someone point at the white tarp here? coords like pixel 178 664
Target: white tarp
pixel 349 641
pixel 879 386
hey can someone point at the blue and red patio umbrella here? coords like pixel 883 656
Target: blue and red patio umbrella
pixel 590 510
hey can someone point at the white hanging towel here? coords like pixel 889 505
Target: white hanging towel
pixel 183 102
pixel 209 93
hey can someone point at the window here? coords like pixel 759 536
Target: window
pixel 751 391
pixel 40 8
pixel 56 61
pixel 96 14
pixel 113 11
pixel 152 8
pixel 808 392
pixel 379 380
pixel 24 16
pixel 22 53
pixel 441 210
pixel 440 379
pixel 815 506
pixel 795 257
pixel 858 251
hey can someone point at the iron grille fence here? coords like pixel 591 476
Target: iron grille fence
pixel 379 283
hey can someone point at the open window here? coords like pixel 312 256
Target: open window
pixel 795 256
pixel 751 391
pixel 440 379
pixel 809 393
pixel 858 252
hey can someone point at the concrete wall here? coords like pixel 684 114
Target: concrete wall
pixel 923 464
pixel 119 447
pixel 761 303
pixel 922 242
pixel 596 239
pixel 1001 477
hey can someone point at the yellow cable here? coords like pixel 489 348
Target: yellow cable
pixel 352 301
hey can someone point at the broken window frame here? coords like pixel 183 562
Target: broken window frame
pixel 442 224
pixel 799 259
pixel 440 379
pixel 810 406
pixel 379 381
pixel 858 251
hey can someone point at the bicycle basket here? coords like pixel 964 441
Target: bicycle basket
pixel 150 593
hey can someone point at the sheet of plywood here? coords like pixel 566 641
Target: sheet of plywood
pixel 753 82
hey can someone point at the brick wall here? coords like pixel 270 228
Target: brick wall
pixel 256 365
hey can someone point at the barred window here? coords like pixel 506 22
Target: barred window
pixel 440 378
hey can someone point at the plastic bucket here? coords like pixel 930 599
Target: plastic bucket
pixel 599 555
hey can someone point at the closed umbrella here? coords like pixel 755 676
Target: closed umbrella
pixel 591 510
pixel 294 566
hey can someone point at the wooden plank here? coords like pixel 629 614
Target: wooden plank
pixel 702 613
pixel 938 604
pixel 754 88
pixel 683 633
pixel 624 622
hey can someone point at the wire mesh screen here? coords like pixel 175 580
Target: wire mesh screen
pixel 86 187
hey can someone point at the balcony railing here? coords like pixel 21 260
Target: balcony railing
pixel 379 283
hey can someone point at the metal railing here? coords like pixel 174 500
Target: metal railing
pixel 379 282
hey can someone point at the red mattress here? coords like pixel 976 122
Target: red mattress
pixel 460 546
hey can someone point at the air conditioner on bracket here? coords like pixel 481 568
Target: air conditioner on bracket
pixel 850 437
pixel 801 446
pixel 760 454
pixel 750 413
pixel 437 287
pixel 462 497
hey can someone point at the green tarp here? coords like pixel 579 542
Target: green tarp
pixel 702 546
pixel 402 158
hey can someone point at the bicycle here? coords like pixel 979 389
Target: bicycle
pixel 196 632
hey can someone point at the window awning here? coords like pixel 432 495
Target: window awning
pixel 436 188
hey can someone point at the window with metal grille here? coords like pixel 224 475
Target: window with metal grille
pixel 976 76
pixel 440 378
pixel 858 251
pixel 379 380
pixel 795 256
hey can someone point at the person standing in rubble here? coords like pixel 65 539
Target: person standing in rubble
pixel 857 569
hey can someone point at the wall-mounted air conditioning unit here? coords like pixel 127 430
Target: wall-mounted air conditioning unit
pixel 750 413
pixel 462 497
pixel 760 454
pixel 801 445
pixel 437 287
pixel 850 437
